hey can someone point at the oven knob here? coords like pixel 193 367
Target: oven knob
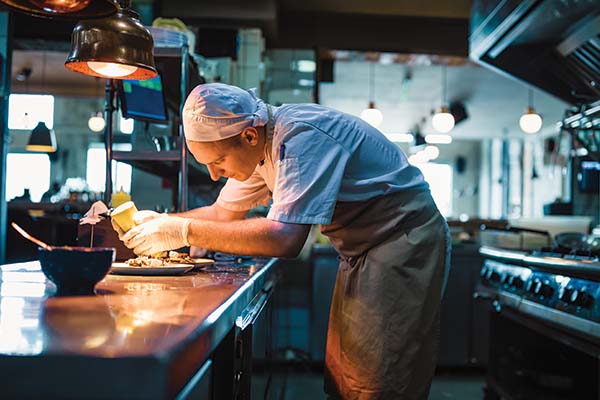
pixel 546 290
pixel 565 294
pixel 581 298
pixel 494 276
pixel 517 282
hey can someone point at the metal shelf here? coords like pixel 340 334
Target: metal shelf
pixel 147 155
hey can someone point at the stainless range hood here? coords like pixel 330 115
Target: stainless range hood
pixel 551 44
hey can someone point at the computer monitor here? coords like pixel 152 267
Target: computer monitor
pixel 144 100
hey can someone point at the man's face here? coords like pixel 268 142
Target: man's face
pixel 231 158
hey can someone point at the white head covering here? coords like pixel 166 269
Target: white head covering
pixel 216 111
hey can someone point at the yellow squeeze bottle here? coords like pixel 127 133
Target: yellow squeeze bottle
pixel 119 198
pixel 123 215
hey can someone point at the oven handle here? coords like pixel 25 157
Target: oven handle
pixel 495 302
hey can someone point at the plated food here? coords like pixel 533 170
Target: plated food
pixel 163 259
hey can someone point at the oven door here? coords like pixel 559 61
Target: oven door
pixel 533 360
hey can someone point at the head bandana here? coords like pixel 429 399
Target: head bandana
pixel 216 111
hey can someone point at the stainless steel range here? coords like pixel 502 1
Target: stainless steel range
pixel 545 324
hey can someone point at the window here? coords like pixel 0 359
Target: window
pixel 26 110
pixel 439 177
pixel 18 179
pixel 96 169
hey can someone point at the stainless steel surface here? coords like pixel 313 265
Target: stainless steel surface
pixel 508 255
pixel 147 336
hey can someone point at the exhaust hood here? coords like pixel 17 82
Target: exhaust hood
pixel 551 44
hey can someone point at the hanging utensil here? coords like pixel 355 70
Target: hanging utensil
pixel 31 238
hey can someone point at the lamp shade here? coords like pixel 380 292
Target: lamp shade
pixel 530 122
pixel 41 139
pixel 64 9
pixel 372 115
pixel 443 121
pixel 96 123
pixel 117 47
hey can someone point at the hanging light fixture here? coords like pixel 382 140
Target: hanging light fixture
pixel 41 138
pixel 117 47
pixel 64 9
pixel 442 120
pixel 530 122
pixel 371 114
pixel 96 123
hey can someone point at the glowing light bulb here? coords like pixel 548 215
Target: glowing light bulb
pixel 432 152
pixel 96 122
pixel 372 115
pixel 443 121
pixel 112 70
pixel 530 122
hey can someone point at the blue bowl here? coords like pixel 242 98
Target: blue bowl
pixel 76 270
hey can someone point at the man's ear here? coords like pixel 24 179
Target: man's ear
pixel 250 135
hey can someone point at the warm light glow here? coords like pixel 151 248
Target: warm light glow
pixel 96 122
pixel 61 6
pixel 112 70
pixel 438 139
pixel 432 152
pixel 373 116
pixel 530 122
pixel 443 121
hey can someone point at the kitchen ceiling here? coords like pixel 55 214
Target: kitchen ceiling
pixel 407 95
pixel 493 102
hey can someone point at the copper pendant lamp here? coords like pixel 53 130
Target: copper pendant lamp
pixel 116 47
pixel 64 9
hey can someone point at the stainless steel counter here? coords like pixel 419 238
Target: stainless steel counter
pixel 138 337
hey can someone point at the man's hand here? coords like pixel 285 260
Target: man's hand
pixel 158 234
pixel 138 218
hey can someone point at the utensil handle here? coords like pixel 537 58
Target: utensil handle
pixel 29 237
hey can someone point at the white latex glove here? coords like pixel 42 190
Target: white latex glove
pixel 146 215
pixel 139 218
pixel 158 234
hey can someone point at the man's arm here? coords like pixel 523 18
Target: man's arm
pixel 214 212
pixel 255 236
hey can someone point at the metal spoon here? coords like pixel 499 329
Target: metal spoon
pixel 31 238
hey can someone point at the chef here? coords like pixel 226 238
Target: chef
pixel 315 165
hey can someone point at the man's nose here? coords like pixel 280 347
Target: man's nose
pixel 214 173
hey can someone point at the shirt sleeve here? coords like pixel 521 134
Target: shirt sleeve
pixel 310 169
pixel 243 196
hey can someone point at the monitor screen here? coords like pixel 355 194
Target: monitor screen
pixel 144 100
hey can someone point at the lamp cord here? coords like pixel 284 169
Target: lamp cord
pixel 530 97
pixel 371 81
pixel 444 83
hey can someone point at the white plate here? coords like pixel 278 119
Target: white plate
pixel 121 268
pixel 203 261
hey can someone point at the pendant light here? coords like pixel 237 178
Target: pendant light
pixel 64 9
pixel 371 114
pixel 41 138
pixel 96 123
pixel 530 122
pixel 442 120
pixel 117 47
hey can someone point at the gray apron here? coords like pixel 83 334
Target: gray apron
pixel 383 334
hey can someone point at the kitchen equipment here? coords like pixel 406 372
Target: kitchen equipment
pixel 76 270
pixel 31 238
pixel 554 224
pixel 545 323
